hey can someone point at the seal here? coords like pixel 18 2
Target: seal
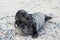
pixel 29 24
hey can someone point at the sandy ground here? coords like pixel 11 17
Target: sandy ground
pixel 9 8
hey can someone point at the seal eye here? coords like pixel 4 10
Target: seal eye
pixel 23 14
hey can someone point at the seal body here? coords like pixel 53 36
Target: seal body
pixel 39 19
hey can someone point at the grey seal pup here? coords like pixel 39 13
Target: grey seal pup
pixel 29 24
